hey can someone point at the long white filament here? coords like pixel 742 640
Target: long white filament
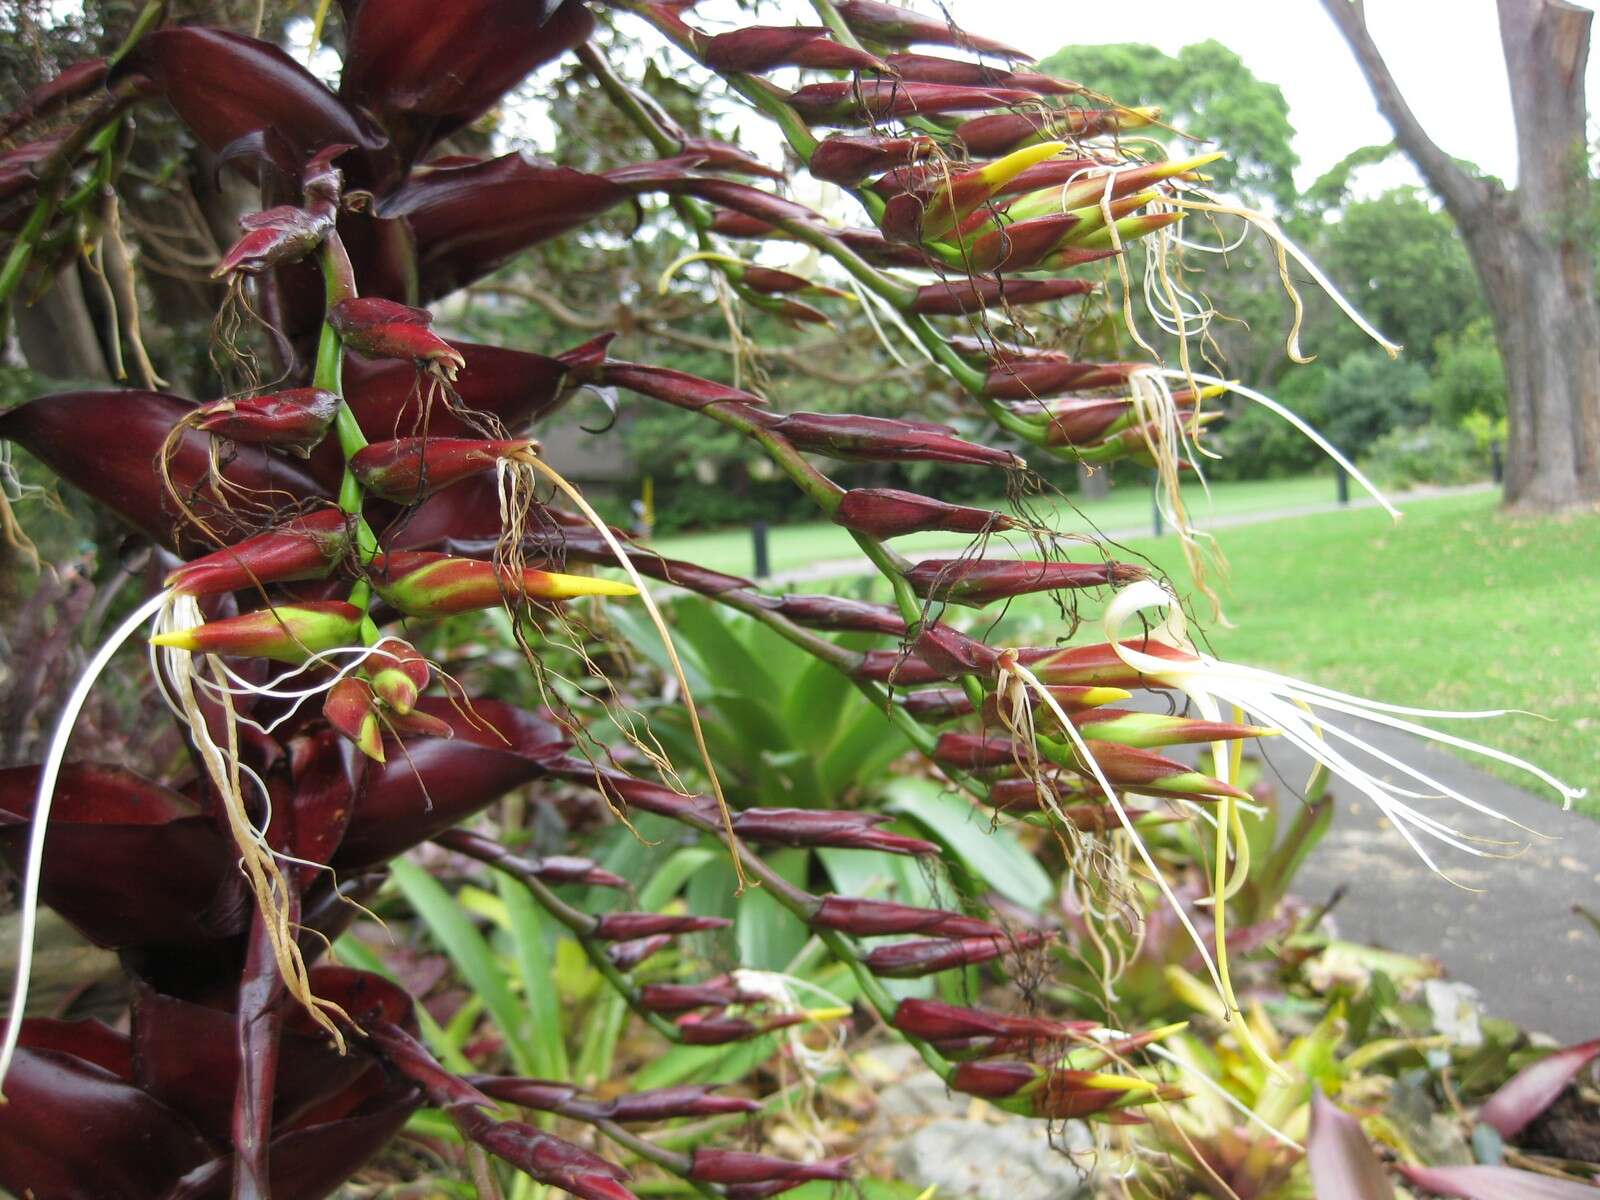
pixel 48 774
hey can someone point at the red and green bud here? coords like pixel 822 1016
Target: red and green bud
pixel 977 582
pixel 630 926
pixel 875 918
pixel 295 420
pixel 425 584
pixel 739 1166
pixel 1128 229
pixel 762 48
pixel 821 828
pixel 869 101
pixel 352 710
pixel 1055 1095
pixel 1074 698
pixel 307 547
pixel 1100 664
pixel 1141 771
pixel 406 470
pixel 1135 443
pixel 954 298
pixel 896 26
pixel 275 238
pixel 1144 730
pixel 935 1021
pixel 1000 133
pixel 927 206
pixel 1016 246
pixel 699 1030
pixel 288 633
pixel 839 613
pixel 1078 420
pixel 912 960
pixel 857 438
pixel 384 329
pixel 847 160
pixel 938 704
pixel 398 674
pixel 878 250
pixel 887 512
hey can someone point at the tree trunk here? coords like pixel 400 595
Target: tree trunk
pixel 1528 246
pixel 57 334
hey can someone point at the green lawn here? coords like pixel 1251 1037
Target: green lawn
pixel 1127 508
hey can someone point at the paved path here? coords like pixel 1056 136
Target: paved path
pixel 1517 940
pixel 999 547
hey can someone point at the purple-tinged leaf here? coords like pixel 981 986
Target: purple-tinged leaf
pixel 1343 1166
pixel 1489 1183
pixel 1534 1088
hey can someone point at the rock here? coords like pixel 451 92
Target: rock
pixel 1015 1160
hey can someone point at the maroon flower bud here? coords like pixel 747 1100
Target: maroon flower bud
pixel 352 711
pixel 307 547
pixel 398 674
pixel 953 653
pixel 1074 698
pixel 1000 133
pixel 731 223
pixel 857 438
pixel 873 918
pixel 661 1104
pixel 935 1021
pixel 752 202
pixel 847 160
pixel 836 612
pixel 925 202
pixel 912 960
pixel 897 667
pixel 1022 795
pixel 977 582
pixel 274 238
pixel 626 792
pixel 958 298
pixel 570 868
pixel 937 704
pixel 762 48
pixel 1031 379
pixel 414 1061
pixel 1079 420
pixel 539 1094
pixel 684 997
pixel 383 329
pixel 674 387
pixel 738 1166
pixel 630 926
pixel 625 956
pixel 803 827
pixel 929 68
pixel 869 101
pixel 886 513
pixel 903 27
pixel 720 156
pixel 548 1159
pixel 769 282
pixel 975 751
pixel 699 1030
pixel 295 420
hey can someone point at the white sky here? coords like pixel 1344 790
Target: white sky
pixel 1444 53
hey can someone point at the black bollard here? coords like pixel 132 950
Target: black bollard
pixel 1155 505
pixel 758 540
pixel 1341 479
pixel 1497 463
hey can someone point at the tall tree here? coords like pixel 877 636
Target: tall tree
pixel 1528 244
